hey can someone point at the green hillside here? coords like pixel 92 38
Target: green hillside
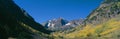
pixel 17 23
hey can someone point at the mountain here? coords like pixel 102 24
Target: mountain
pixel 107 10
pixel 101 23
pixel 17 23
pixel 56 22
pixel 62 24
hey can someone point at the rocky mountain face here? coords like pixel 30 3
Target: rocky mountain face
pixel 56 22
pixel 62 24
pixel 107 10
pixel 16 22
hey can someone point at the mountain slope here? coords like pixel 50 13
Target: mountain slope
pixel 16 23
pixel 102 23
pixel 107 30
pixel 107 10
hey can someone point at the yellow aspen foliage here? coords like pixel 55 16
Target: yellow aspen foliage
pixel 108 31
pixel 100 30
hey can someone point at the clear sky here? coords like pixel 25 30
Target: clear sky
pixel 43 10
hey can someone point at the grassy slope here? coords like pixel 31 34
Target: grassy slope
pixel 107 30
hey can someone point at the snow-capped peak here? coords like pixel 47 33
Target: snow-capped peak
pixel 68 24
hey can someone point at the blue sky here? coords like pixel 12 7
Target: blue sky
pixel 43 10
